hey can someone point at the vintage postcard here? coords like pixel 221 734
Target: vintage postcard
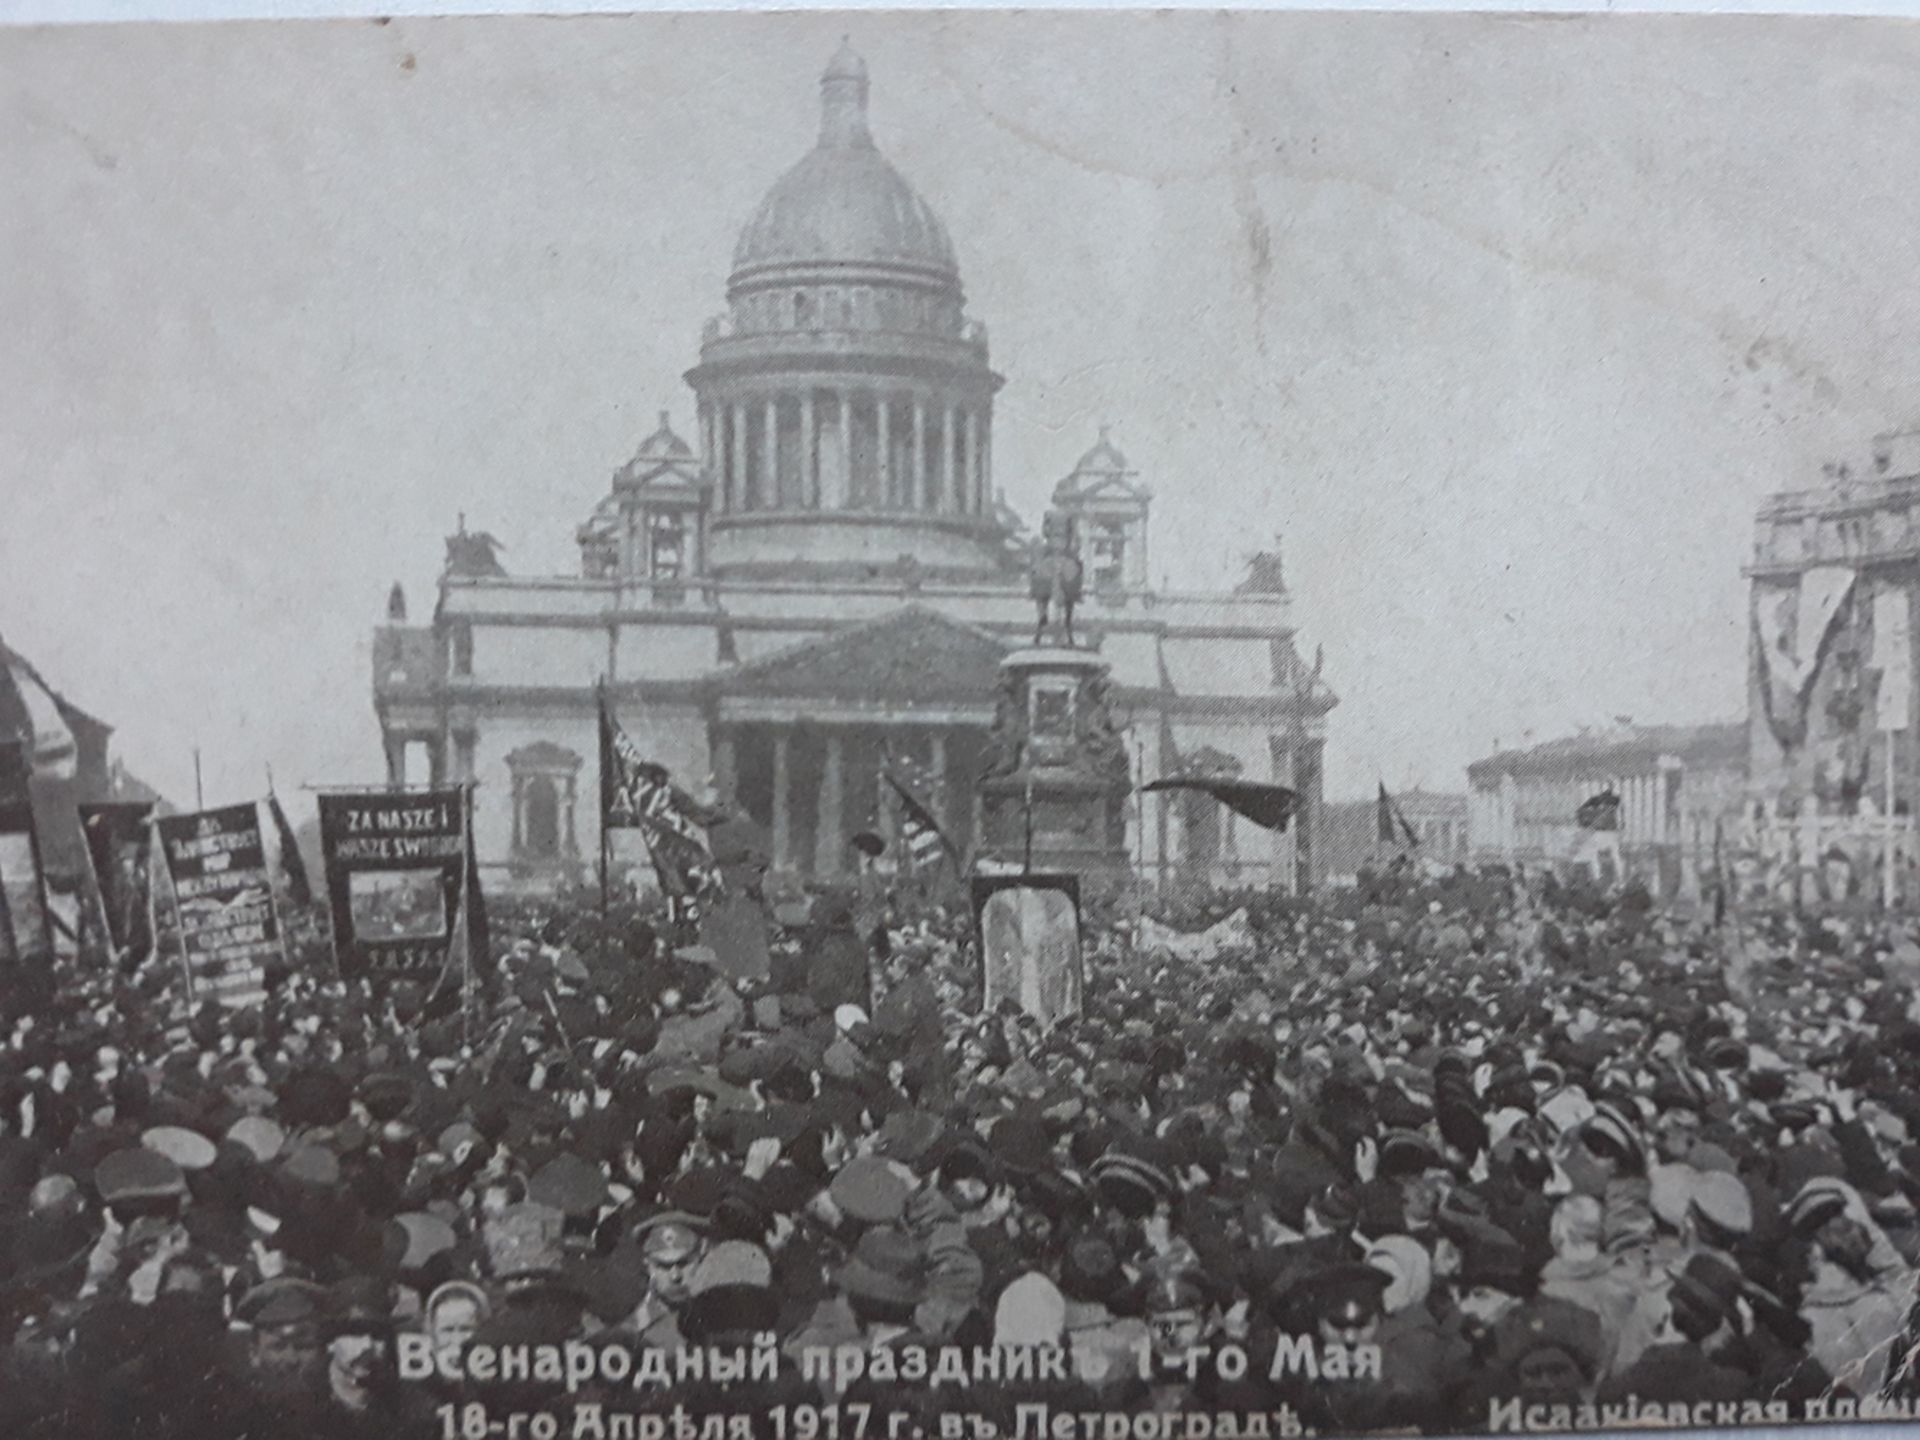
pixel 958 726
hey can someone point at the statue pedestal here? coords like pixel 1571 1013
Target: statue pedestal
pixel 1057 777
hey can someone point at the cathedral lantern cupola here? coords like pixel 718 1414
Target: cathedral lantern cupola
pixel 652 526
pixel 1109 508
pixel 846 400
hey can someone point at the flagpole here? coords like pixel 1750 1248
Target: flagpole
pixel 199 799
pixel 600 697
pixel 1026 867
pixel 466 922
pixel 1887 858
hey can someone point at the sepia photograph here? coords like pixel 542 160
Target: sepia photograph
pixel 958 725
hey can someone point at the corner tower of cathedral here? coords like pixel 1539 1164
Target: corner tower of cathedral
pixel 845 399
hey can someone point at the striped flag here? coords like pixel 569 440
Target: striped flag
pixel 921 837
pixel 638 794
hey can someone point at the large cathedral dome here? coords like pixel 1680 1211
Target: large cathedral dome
pixel 846 399
pixel 844 204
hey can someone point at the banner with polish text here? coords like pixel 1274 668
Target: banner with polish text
pixel 223 898
pixel 396 876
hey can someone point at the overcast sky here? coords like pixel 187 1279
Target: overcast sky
pixel 1505 324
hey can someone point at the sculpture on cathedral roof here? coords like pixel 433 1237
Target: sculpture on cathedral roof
pixel 1265 575
pixel 473 553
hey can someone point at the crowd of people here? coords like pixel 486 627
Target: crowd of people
pixel 1432 1155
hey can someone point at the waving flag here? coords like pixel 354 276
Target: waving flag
pixel 1389 824
pixel 1599 812
pixel 1268 806
pixel 920 833
pixel 638 794
pixel 292 865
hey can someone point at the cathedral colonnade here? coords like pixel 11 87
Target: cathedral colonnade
pixel 864 446
pixel 814 783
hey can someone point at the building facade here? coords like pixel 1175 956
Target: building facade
pixel 1680 786
pixel 1831 678
pixel 1351 840
pixel 831 576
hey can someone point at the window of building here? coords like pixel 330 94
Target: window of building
pixel 1109 554
pixel 541 839
pixel 462 648
pixel 666 545
pixel 545 795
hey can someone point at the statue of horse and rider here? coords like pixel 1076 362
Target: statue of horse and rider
pixel 1055 578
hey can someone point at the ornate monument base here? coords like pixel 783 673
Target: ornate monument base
pixel 1055 786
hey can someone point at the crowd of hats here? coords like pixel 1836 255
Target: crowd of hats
pixel 1504 1134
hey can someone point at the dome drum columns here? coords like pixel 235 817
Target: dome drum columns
pixel 857 447
pixel 846 400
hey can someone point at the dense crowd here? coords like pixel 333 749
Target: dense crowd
pixel 1421 1151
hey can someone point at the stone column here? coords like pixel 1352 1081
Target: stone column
pixel 986 462
pixel 725 764
pixel 706 435
pixel 883 474
pixel 828 841
pixel 809 474
pixel 782 815
pixel 770 455
pixel 970 464
pixel 949 427
pixel 737 497
pixel 919 500
pixel 843 464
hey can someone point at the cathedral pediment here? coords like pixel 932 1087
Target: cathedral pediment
pixel 914 654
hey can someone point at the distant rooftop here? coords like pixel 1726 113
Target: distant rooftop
pixel 1622 747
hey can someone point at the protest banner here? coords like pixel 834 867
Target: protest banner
pixel 119 850
pixel 25 930
pixel 396 872
pixel 223 899
pixel 1029 929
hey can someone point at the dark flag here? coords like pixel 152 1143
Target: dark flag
pixel 1599 812
pixel 637 794
pixel 292 865
pixel 1268 806
pixel 26 931
pixel 119 853
pixel 479 931
pixel 1389 824
pixel 1719 878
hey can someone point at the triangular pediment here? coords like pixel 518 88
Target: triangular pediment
pixel 1101 490
pixel 912 654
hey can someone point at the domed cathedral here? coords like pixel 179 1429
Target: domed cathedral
pixel 826 579
pixel 845 398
